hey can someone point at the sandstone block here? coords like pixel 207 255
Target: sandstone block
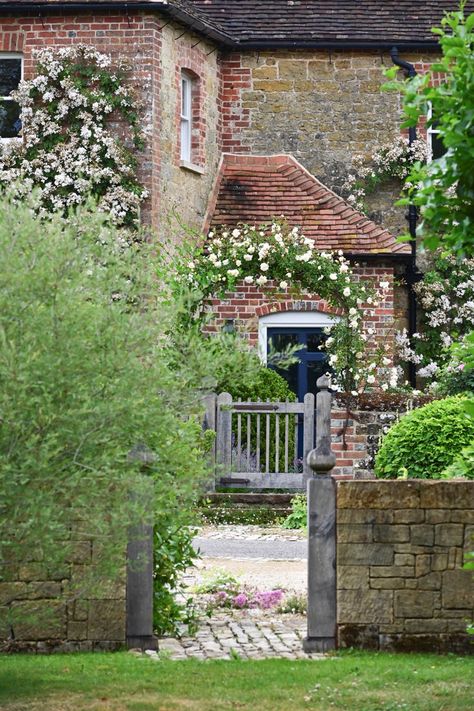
pixel 386 533
pixel 354 533
pixel 457 624
pixel 462 516
pixel 414 603
pixel 272 86
pixel 81 552
pixel 106 620
pixel 378 495
pixel 39 619
pixel 469 538
pixel 449 534
pixel 358 516
pixel 404 559
pixel 422 535
pixel 422 565
pixel 408 516
pixel 12 591
pixel 447 494
pixel 438 515
pixel 265 72
pixel 365 554
pixel 439 561
pixel 458 589
pixel 292 69
pixel 390 571
pixel 5 613
pixel 425 626
pixel 372 606
pixel 352 577
pixel 81 610
pixel 387 583
pixel 32 571
pixel 46 589
pixel 432 581
pixel 76 630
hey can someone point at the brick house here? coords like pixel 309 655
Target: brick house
pixel 253 109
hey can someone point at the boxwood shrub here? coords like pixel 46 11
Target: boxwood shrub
pixel 425 441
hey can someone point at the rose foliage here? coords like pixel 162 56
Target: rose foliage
pixel 281 261
pixel 69 149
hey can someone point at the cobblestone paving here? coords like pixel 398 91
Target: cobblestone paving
pixel 249 634
pixel 246 634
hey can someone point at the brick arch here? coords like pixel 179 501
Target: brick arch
pixel 12 41
pixel 307 304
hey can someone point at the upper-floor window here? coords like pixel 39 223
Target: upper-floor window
pixel 11 70
pixel 186 116
pixel 436 147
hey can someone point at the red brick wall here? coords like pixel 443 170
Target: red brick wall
pixel 144 41
pixel 134 37
pixel 234 118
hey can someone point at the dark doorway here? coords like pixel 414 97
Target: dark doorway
pixel 302 376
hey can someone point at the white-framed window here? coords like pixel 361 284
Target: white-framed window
pixel 11 73
pixel 436 147
pixel 186 116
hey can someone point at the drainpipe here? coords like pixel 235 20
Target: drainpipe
pixel 412 275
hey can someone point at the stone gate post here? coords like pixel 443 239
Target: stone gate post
pixel 321 490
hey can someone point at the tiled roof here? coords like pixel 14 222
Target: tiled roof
pixel 255 189
pixel 290 23
pixel 298 21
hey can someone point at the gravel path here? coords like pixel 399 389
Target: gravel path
pixel 254 548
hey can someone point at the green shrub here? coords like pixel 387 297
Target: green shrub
pixel 174 553
pixel 299 514
pixel 83 381
pixel 261 383
pixel 462 466
pixel 425 441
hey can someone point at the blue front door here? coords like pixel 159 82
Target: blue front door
pixel 302 376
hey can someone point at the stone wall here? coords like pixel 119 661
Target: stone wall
pixel 184 190
pixel 400 548
pixel 43 610
pixel 323 107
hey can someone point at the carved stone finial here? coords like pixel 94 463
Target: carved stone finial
pixel 322 459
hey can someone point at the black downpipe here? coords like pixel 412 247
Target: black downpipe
pixel 412 274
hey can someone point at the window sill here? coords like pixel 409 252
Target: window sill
pixel 191 167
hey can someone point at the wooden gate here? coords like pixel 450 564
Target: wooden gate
pixel 261 445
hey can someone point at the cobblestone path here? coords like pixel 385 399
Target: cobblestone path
pixel 244 635
pixel 247 634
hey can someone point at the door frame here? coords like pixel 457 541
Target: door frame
pixel 290 319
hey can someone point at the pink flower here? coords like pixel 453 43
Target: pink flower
pixel 241 600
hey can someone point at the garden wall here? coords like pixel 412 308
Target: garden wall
pixel 38 612
pixel 400 548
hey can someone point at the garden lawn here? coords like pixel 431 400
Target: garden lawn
pixel 350 680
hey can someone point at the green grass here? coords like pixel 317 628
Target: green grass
pixel 351 681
